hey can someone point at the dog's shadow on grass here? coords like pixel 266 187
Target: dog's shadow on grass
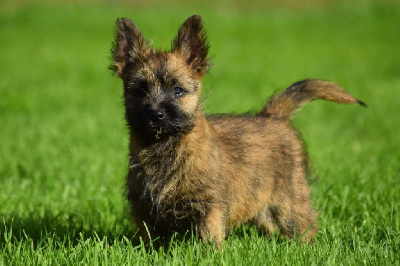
pixel 63 227
pixel 66 229
pixel 69 229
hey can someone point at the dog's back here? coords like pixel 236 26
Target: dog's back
pixel 266 162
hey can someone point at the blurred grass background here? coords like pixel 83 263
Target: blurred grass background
pixel 63 140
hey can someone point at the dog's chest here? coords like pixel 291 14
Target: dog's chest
pixel 169 190
pixel 173 194
pixel 169 185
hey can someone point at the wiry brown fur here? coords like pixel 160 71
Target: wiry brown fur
pixel 213 173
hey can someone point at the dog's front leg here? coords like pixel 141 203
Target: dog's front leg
pixel 212 227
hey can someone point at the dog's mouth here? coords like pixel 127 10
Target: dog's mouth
pixel 157 131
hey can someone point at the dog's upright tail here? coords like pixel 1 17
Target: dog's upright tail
pixel 285 105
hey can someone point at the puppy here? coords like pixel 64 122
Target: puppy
pixel 187 170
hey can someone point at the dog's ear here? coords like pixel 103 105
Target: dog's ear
pixel 191 44
pixel 129 46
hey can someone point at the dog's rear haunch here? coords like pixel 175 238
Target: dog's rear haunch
pixel 213 173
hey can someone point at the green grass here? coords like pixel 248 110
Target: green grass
pixel 63 141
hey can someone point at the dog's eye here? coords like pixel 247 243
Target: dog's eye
pixel 178 91
pixel 141 92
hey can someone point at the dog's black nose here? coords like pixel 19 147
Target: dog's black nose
pixel 158 115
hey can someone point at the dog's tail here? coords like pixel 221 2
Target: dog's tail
pixel 286 104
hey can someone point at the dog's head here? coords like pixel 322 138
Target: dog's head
pixel 161 88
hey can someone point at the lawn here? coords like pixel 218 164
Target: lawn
pixel 63 140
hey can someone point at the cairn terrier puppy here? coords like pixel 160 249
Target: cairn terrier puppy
pixel 187 170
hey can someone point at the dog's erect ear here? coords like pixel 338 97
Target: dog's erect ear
pixel 191 44
pixel 129 46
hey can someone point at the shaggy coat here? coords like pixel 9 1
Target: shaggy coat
pixel 213 173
